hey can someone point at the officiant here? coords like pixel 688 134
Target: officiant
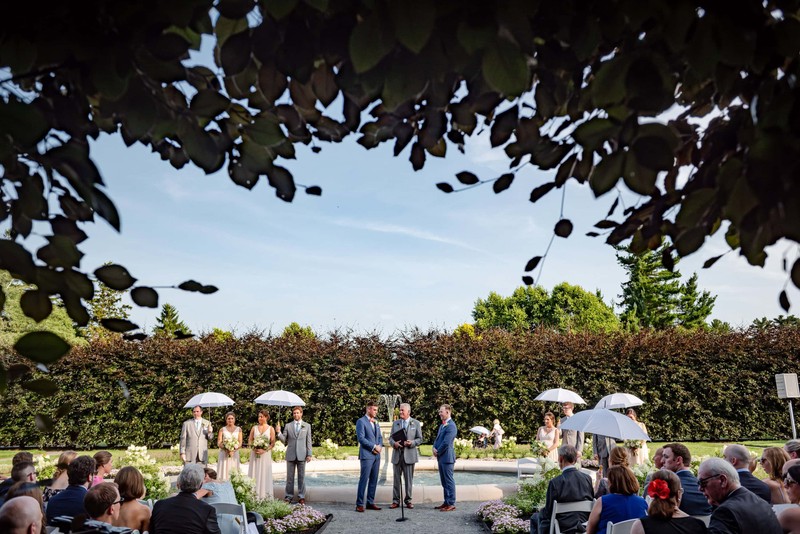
pixel 405 438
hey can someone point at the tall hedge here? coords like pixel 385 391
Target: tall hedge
pixel 696 386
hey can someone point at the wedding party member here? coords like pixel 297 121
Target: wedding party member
pixel 549 435
pixel 195 434
pixel 229 441
pixel 70 501
pixel 570 437
pixel 297 439
pixel 445 454
pixel 59 480
pixel 677 458
pixel 638 454
pixel 622 503
pixel 261 441
pixel 132 513
pixel 370 445
pixel 602 447
pixel 663 514
pixel 405 455
pixel 185 513
pixel 102 502
pixel 21 515
pixel 738 510
pixel 104 462
pixel 739 457
pixel 772 460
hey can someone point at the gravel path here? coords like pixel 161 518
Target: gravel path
pixel 423 518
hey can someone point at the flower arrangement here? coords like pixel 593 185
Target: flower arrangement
pixel 261 442
pixel 45 466
pixel 538 448
pixel 462 447
pixel 329 449
pixel 633 444
pixel 175 451
pixel 641 472
pixel 532 491
pixel 230 444
pixel 155 482
pixel 509 446
pixel 301 518
pixel 244 488
pixel 504 518
pixel 279 452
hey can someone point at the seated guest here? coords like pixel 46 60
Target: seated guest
pixel 59 480
pixel 69 502
pixel 22 456
pixel 739 457
pixel 772 460
pixel 663 515
pixel 657 463
pixel 621 504
pixel 617 456
pixel 21 515
pixel 21 472
pixel 790 517
pixel 677 458
pixel 185 513
pixel 102 502
pixel 104 465
pixel 214 491
pixel 738 510
pixel 28 489
pixel 571 485
pixel 790 481
pixel 132 513
pixel 792 448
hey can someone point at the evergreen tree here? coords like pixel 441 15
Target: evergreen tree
pixel 169 322
pixel 653 296
pixel 106 304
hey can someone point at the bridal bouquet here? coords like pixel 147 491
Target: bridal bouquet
pixel 230 444
pixel 261 442
pixel 539 449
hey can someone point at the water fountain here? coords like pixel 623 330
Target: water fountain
pixel 390 401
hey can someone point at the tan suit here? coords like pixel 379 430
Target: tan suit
pixel 194 441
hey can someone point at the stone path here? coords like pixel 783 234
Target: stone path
pixel 423 518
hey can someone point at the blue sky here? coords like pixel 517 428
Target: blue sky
pixel 381 250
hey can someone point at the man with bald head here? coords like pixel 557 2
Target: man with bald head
pixel 21 515
pixel 739 457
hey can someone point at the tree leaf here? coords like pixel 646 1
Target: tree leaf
pixel 413 22
pixel 135 337
pixel 43 422
pixel 207 290
pixel 593 133
pixel 667 260
pixel 146 297
pixel 503 182
pixel 314 190
pixel 417 157
pixel 368 44
pixel 503 126
pixel 24 122
pixel 180 334
pixel 208 103
pixel 115 276
pixel 235 9
pixel 444 186
pixel 527 280
pixel 283 182
pixel 795 274
pixel 592 234
pixel 103 206
pixel 467 178
pixel 783 299
pixel 711 261
pixel 235 53
pixel 613 207
pixel 118 325
pixel 42 386
pixel 505 68
pixel 654 153
pixel 41 347
pixel 607 173
pixel 541 191
pixel 36 304
pixel 563 228
pixel 190 285
pixel 532 263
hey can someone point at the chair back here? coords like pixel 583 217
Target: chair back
pixel 521 462
pixel 237 510
pixel 623 527
pixel 704 518
pixel 566 507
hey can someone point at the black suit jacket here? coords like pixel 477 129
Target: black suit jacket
pixel 743 512
pixel 693 501
pixel 183 514
pixel 755 485
pixel 570 486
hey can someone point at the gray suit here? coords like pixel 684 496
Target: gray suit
pixel 601 446
pixel 410 456
pixel 571 437
pixel 298 447
pixel 194 442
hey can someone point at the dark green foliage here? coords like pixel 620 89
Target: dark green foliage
pixel 696 385
pixel 169 324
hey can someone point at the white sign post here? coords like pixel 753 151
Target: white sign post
pixel 788 389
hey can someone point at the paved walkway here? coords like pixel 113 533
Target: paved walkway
pixel 423 518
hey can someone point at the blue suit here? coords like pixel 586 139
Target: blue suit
pixel 446 455
pixel 693 501
pixel 368 435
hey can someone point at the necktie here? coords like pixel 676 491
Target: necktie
pixel 405 424
pixel 197 424
pixel 297 428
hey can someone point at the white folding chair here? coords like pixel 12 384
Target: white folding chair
pixel 704 518
pixel 623 527
pixel 237 510
pixel 566 507
pixel 520 463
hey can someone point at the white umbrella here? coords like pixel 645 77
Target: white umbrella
pixel 280 398
pixel 619 400
pixel 209 399
pixel 480 430
pixel 605 422
pixel 560 395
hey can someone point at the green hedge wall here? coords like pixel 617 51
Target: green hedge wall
pixel 696 386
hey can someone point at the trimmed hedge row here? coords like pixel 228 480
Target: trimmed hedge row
pixel 696 386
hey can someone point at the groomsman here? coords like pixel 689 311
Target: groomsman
pixel 195 434
pixel 405 454
pixel 297 439
pixel 370 444
pixel 444 452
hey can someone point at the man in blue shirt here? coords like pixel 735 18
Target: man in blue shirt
pixel 69 502
pixel 677 458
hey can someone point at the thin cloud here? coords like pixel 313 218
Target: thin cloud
pixel 405 231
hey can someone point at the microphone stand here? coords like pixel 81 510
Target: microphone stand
pixel 402 475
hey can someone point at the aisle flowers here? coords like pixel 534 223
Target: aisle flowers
pixel 503 518
pixel 301 518
pixel 279 452
pixel 45 466
pixel 155 482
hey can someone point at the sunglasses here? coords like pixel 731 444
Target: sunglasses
pixel 119 501
pixel 703 482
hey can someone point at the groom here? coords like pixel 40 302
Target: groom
pixel 195 434
pixel 444 452
pixel 370 444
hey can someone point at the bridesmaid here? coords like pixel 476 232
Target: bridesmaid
pixel 228 459
pixel 260 466
pixel 549 435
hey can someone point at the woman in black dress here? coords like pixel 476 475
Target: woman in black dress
pixel 663 515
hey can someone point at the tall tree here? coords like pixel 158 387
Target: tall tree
pixel 575 309
pixel 169 324
pixel 654 297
